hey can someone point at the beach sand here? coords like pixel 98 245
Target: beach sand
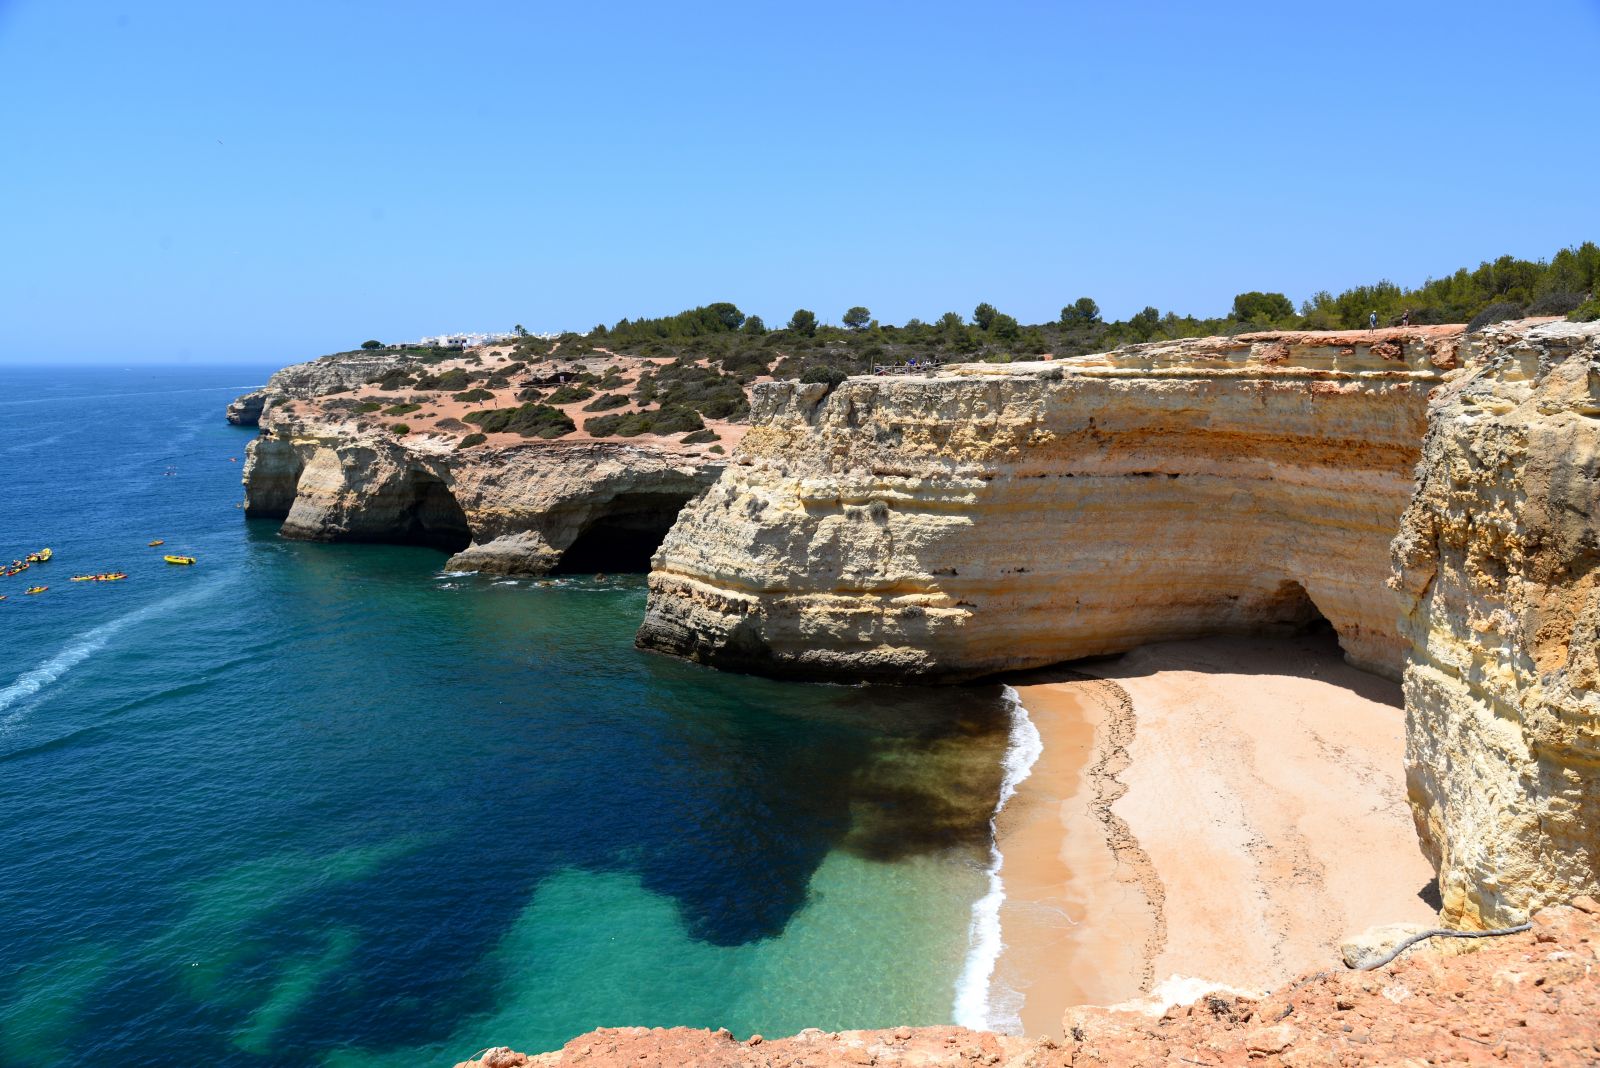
pixel 1225 809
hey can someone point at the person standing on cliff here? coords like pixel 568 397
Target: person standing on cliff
pixel 1405 317
pixel 1372 320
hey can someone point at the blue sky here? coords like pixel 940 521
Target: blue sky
pixel 272 181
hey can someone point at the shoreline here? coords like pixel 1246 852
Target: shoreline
pixel 1215 812
pixel 974 1006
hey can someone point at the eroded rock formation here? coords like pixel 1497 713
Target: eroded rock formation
pixel 995 517
pixel 1496 561
pixel 512 510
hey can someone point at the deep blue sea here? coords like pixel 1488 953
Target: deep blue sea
pixel 327 804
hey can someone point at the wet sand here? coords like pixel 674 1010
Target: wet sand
pixel 1225 809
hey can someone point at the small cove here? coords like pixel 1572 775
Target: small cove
pixel 324 804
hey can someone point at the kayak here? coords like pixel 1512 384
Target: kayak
pixel 40 557
pixel 36 589
pixel 111 576
pixel 158 541
pixel 178 559
pixel 83 578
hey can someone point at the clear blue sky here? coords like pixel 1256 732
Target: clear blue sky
pixel 231 181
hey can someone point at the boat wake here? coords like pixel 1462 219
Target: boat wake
pixel 79 649
pixel 976 1006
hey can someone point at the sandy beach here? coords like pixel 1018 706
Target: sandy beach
pixel 1225 809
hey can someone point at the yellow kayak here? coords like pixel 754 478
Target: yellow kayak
pixel 158 541
pixel 40 557
pixel 36 589
pixel 178 559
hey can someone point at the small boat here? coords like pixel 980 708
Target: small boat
pixel 111 576
pixel 82 578
pixel 40 557
pixel 178 559
pixel 17 567
pixel 36 589
pixel 158 541
pixel 2 596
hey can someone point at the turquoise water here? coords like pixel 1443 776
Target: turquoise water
pixel 319 804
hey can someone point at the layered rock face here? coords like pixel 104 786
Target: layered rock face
pixel 995 517
pixel 515 510
pixel 1497 560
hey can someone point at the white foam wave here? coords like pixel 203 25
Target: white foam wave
pixel 976 1005
pixel 79 649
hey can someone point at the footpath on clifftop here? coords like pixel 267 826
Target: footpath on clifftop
pixel 1531 998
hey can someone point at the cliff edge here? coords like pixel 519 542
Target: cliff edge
pixel 1496 564
pixel 996 517
pixel 1532 998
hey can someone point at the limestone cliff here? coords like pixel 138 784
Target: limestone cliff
pixel 314 378
pixel 517 509
pixel 1496 560
pixel 335 469
pixel 994 517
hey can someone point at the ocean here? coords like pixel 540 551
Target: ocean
pixel 306 804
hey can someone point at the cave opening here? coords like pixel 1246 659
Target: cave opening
pixel 1290 610
pixel 625 536
pixel 435 518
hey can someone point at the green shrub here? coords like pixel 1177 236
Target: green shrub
pixel 1559 303
pixel 607 401
pixel 1588 311
pixel 1494 313
pixel 569 394
pixel 472 439
pixel 529 420
pixel 391 380
pixel 718 449
pixel 368 406
pixel 830 376
pixel 473 396
pixel 401 409
pixel 531 394
pixel 699 437
pixel 400 428
pixel 451 380
pixel 675 420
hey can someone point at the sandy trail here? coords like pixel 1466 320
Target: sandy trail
pixel 1226 809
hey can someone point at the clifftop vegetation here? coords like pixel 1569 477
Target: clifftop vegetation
pixel 742 346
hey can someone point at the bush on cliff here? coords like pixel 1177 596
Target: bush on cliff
pixel 569 395
pixel 674 420
pixel 473 396
pixel 451 380
pixel 1494 313
pixel 828 376
pixel 368 406
pixel 529 420
pixel 400 428
pixel 402 409
pixel 607 401
pixel 472 439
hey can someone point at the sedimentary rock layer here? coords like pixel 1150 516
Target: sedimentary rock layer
pixel 994 517
pixel 514 510
pixel 1497 560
